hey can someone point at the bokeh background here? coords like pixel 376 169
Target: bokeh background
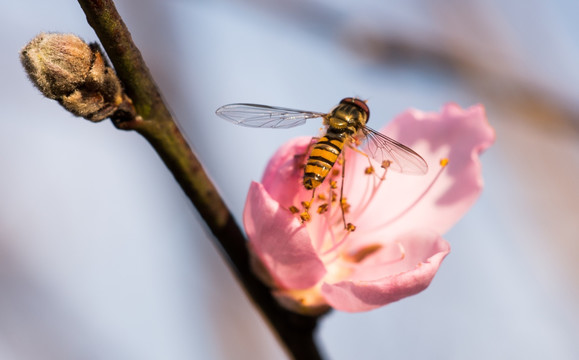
pixel 103 257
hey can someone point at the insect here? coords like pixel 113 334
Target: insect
pixel 345 125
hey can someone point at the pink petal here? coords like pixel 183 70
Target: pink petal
pixel 434 200
pixel 279 240
pixel 395 283
pixel 283 175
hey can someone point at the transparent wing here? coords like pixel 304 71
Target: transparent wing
pixel 255 115
pixel 402 158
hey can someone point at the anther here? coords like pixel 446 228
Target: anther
pixel 323 208
pixel 294 210
pixel 350 227
pixel 369 170
pixel 443 163
pixel 334 196
pixel 345 206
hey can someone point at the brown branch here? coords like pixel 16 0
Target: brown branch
pixel 155 123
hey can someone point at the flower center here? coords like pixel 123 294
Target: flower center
pixel 329 209
pixel 332 241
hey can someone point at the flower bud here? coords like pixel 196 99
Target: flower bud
pixel 65 68
pixel 56 63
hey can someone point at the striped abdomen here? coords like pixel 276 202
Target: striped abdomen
pixel 322 158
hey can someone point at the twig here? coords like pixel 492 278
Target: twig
pixel 155 123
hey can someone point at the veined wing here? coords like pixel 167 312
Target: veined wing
pixel 255 115
pixel 402 158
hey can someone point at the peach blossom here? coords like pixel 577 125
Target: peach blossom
pixel 397 246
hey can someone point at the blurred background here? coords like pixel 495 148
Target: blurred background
pixel 103 257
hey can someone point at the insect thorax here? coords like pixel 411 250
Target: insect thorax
pixel 346 118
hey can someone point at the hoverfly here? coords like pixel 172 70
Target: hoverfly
pixel 345 124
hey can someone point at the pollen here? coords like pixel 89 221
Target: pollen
pixel 345 205
pixel 386 164
pixel 321 197
pixel 333 184
pixel 306 204
pixel 369 170
pixel 305 216
pixel 334 196
pixel 444 162
pixel 323 208
pixel 350 227
pixel 335 172
pixel 294 210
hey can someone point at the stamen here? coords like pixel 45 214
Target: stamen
pixel 323 208
pixel 329 237
pixel 369 170
pixel 324 233
pixel 334 196
pixel 345 205
pixel 385 166
pixel 361 208
pixel 335 172
pixel 333 184
pixel 294 210
pixel 443 163
pixel 305 216
pixel 350 227
pixel 335 247
pixel 321 197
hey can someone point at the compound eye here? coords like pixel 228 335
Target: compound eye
pixel 359 103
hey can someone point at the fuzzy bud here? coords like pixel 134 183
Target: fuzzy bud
pixel 65 68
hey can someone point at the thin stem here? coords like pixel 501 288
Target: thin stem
pixel 155 123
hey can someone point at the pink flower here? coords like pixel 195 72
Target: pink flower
pixel 397 246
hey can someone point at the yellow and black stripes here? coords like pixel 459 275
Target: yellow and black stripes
pixel 322 158
pixel 343 122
